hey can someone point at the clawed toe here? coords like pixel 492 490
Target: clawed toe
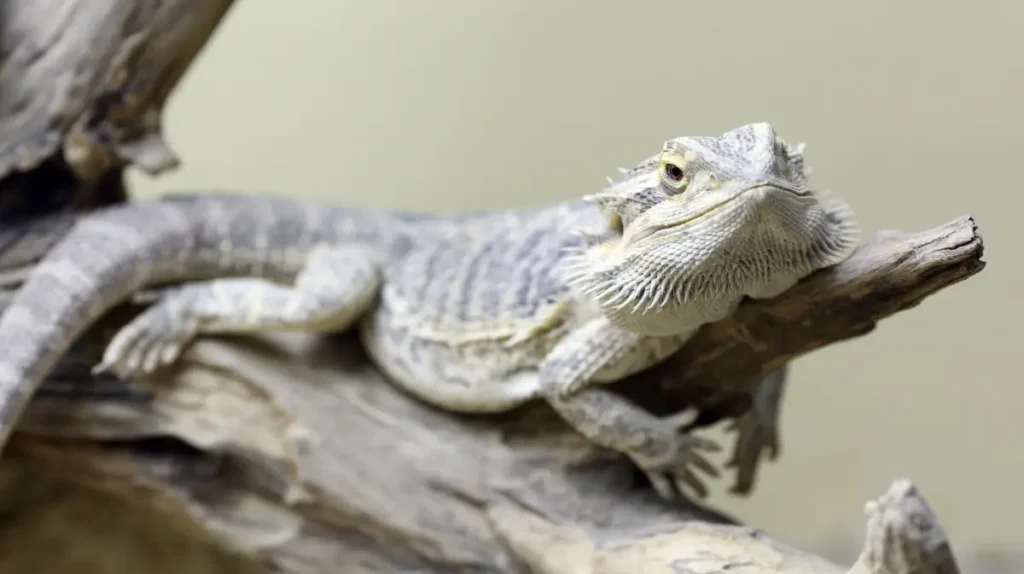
pixel 136 351
pixel 143 358
pixel 674 485
pixel 671 481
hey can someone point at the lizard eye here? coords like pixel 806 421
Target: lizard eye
pixel 674 177
pixel 673 172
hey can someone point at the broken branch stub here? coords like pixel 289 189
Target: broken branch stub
pixel 84 82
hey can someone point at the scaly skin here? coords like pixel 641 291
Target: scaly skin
pixel 474 313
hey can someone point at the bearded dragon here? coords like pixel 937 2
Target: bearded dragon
pixel 475 312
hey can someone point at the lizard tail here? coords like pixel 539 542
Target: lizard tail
pixel 105 258
pixel 109 255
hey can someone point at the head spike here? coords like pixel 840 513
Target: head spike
pixel 604 199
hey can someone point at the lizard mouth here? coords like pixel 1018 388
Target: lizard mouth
pixel 675 223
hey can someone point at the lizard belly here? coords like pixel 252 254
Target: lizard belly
pixel 469 377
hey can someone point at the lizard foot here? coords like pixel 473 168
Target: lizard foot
pixel 755 435
pixel 672 474
pixel 154 338
pixel 758 431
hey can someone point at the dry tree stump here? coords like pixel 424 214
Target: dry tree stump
pixel 292 453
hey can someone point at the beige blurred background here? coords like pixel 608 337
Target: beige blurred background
pixel 911 111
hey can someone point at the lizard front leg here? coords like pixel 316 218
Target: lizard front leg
pixel 758 430
pixel 600 353
pixel 335 288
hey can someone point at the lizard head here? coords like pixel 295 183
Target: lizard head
pixel 706 222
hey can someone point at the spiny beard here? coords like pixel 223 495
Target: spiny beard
pixel 633 287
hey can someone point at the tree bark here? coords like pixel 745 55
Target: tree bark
pixel 83 85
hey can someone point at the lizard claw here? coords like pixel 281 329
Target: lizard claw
pixel 671 476
pixel 153 339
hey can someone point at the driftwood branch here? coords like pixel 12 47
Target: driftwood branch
pixel 378 481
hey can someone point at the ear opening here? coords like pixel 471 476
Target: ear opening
pixel 609 203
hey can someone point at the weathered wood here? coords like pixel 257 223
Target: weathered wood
pixel 903 535
pixel 393 484
pixel 83 85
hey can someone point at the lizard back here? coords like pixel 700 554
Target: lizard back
pixel 464 318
